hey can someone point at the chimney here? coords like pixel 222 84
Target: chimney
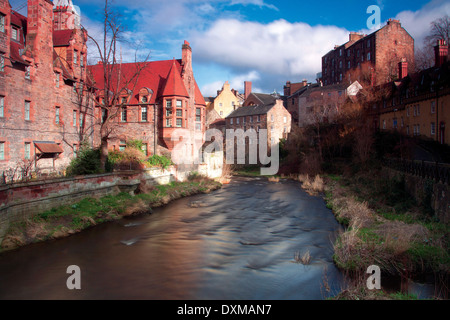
pixel 441 53
pixel 354 36
pixel 247 88
pixel 287 88
pixel 186 55
pixel 40 31
pixel 402 69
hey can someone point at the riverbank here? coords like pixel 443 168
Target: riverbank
pixel 387 228
pixel 384 226
pixel 71 219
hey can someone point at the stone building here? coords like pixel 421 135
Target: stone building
pixel 163 97
pixel 418 104
pixel 370 58
pixel 43 84
pixel 262 111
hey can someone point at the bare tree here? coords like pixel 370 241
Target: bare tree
pixel 117 84
pixel 440 29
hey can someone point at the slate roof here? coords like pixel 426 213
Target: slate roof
pixel 251 110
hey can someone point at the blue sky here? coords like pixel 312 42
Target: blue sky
pixel 263 41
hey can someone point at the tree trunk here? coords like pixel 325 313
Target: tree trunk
pixel 104 152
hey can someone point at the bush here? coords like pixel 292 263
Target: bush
pixel 129 159
pixel 87 162
pixel 159 161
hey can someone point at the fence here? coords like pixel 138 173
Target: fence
pixel 438 172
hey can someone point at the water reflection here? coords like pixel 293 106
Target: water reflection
pixel 237 243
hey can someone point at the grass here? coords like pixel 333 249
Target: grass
pixel 69 219
pixel 398 236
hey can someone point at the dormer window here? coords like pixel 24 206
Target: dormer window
pixel 123 100
pixel 145 95
pixel 14 33
pixel 144 99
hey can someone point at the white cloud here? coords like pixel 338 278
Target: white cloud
pixel 417 23
pixel 279 48
pixel 237 83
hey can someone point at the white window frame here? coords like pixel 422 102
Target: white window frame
pixel 27 111
pixel 27 151
pixel 57 114
pixel 144 110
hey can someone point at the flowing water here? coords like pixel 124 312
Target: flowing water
pixel 241 242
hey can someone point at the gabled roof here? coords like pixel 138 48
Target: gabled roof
pixel 252 110
pixel 265 98
pixel 174 84
pixel 61 38
pixel 153 75
pixel 199 100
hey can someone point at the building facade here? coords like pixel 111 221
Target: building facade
pixel 43 85
pixel 262 111
pixel 370 58
pixel 162 97
pixel 418 104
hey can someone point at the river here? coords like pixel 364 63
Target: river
pixel 237 243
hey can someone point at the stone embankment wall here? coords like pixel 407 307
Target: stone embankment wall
pixel 23 200
pixel 427 191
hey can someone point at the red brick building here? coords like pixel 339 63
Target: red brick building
pixel 42 84
pixel 370 58
pixel 164 97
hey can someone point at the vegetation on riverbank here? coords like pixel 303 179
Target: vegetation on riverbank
pixel 70 219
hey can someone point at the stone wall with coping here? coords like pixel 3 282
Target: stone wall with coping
pixel 23 200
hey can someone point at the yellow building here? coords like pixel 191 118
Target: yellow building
pixel 226 102
pixel 419 104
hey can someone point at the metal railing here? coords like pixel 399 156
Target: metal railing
pixel 439 172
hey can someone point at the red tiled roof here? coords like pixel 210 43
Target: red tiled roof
pixel 61 38
pixel 152 76
pixel 174 84
pixel 15 53
pixel 199 99
pixel 48 147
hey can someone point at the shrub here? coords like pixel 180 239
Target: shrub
pixel 129 159
pixel 159 161
pixel 87 162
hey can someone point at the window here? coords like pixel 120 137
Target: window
pixel 75 150
pixel 198 126
pixel 231 121
pixel 349 65
pixel 340 52
pixel 198 115
pixel 168 112
pixel 433 128
pixel 272 118
pixel 144 114
pixel 75 57
pixel 2 151
pixel 57 110
pixel 258 118
pixel 27 150
pixel 122 145
pixel 340 77
pixel 123 117
pixel 433 106
pixel 395 123
pixel 179 113
pixel 407 111
pixel 251 119
pixel 123 100
pixel 144 99
pixel 340 64
pixel 14 34
pixel 145 149
pixel 27 110
pixel 104 116
pixel 179 104
pixel 28 72
pixel 74 118
pixel 237 120
pixel 169 104
pixel 368 56
pixel 2 64
pixel 2 22
pixel 368 43
pixel 57 80
pixel 179 123
pixel 168 122
pixel 285 119
pixel 2 107
pixel 81 120
pixel 221 113
pixel 82 60
pixel 74 88
pixel 384 124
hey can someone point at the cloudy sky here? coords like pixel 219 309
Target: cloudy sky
pixel 267 42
